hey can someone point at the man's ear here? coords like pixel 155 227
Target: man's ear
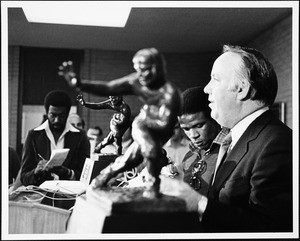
pixel 243 92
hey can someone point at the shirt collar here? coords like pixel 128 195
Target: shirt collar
pixel 238 130
pixel 60 142
pixel 221 136
pixel 45 126
pixel 197 150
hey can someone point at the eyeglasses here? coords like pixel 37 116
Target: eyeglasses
pixel 198 169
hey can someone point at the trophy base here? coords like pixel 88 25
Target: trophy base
pixel 118 200
pixel 127 211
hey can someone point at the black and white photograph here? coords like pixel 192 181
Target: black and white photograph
pixel 149 120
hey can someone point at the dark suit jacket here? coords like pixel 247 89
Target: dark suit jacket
pixel 37 142
pixel 252 190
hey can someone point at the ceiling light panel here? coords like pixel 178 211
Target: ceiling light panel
pixel 88 14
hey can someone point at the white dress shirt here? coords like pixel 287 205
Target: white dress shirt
pixel 61 140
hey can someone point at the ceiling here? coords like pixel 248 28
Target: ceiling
pixel 168 29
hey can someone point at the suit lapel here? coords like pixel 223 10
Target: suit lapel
pixel 229 164
pixel 71 141
pixel 43 145
pixel 239 151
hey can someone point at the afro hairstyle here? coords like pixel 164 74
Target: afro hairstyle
pixel 57 98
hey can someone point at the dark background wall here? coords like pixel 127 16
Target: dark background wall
pixel 39 67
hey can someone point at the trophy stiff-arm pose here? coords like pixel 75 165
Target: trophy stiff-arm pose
pixel 118 124
pixel 155 123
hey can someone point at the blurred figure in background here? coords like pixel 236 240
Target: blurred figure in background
pixel 95 136
pixel 176 148
pixel 76 121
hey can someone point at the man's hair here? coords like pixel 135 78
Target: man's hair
pixel 194 101
pixel 258 71
pixel 57 98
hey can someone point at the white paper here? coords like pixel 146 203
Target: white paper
pixel 57 157
pixel 64 186
pixel 87 171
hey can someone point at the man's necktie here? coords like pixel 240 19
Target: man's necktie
pixel 223 151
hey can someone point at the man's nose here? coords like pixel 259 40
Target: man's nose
pixel 193 134
pixel 57 119
pixel 207 88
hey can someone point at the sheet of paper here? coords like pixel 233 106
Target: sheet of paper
pixel 87 171
pixel 64 186
pixel 57 157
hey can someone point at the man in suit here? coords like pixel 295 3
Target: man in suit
pixel 252 187
pixel 54 133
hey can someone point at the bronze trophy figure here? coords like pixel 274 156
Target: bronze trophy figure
pixel 152 127
pixel 118 124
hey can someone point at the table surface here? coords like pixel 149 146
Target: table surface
pixel 29 215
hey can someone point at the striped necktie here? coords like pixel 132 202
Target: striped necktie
pixel 223 151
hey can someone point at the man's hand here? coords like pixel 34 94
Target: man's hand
pixel 80 99
pixel 171 170
pixel 181 189
pixel 63 172
pixel 66 70
pixel 40 167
